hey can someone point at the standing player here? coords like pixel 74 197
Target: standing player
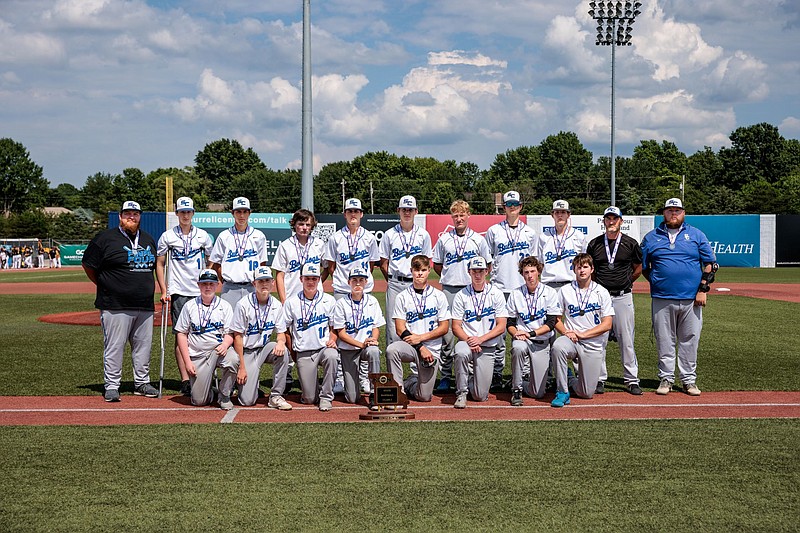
pixel 509 242
pixel 452 253
pixel 357 319
pixel 237 253
pixel 588 317
pixel 187 247
pixel 618 262
pixel 120 262
pixel 352 247
pixel 301 248
pixel 398 245
pixel 421 318
pixel 308 319
pixel 254 319
pixel 479 321
pixel 204 338
pixel 679 263
pixel 533 310
pixel 556 249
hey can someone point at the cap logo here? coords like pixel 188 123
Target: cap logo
pixel 184 203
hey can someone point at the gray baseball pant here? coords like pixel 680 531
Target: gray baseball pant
pixel 393 289
pixel 585 383
pixel 483 362
pixel 536 353
pixel 307 364
pixel 363 368
pixel 121 327
pixel 624 323
pixel 204 366
pixel 233 292
pixel 419 386
pixel 446 356
pixel 677 322
pixel 351 361
pixel 254 359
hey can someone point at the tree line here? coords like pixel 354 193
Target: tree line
pixel 758 173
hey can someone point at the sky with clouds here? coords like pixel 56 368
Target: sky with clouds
pixel 102 85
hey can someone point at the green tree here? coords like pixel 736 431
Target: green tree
pixel 757 153
pixel 519 165
pixel 185 182
pixel 68 227
pixel 328 187
pixel 21 183
pixel 30 224
pixel 65 195
pixel 221 161
pixel 566 166
pixel 99 194
pixel 132 184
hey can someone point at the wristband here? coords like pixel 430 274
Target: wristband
pixel 703 288
pixel 405 334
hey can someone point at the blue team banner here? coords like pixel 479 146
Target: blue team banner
pixel 735 239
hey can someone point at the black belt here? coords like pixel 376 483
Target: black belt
pixel 619 293
pixel 237 283
pixel 402 278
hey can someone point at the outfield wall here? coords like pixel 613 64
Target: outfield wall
pixel 738 240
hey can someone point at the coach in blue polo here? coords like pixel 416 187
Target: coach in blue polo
pixel 678 261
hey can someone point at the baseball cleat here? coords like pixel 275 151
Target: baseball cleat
pixel 279 403
pixel 338 387
pixel 516 398
pixel 461 401
pixel 601 388
pixel 186 388
pixel 225 403
pixel 664 387
pixel 325 405
pixel 561 399
pixel 635 389
pixel 111 395
pixel 146 390
pixel 691 389
pixel 444 385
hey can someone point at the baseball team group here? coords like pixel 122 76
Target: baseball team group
pixel 559 298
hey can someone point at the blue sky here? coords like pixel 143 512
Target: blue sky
pixel 101 85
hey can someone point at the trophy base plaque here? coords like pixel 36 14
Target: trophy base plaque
pixel 389 399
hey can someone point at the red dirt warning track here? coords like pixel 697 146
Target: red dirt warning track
pixel 92 410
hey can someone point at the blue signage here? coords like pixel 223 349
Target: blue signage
pixel 735 239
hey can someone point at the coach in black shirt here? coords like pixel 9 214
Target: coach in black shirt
pixel 617 263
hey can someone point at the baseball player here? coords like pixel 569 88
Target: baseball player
pixel 679 263
pixel 399 244
pixel 254 319
pixel 187 247
pixel 556 248
pixel 352 247
pixel 533 310
pixel 617 263
pixel 421 318
pixel 587 319
pixel 479 321
pixel 237 253
pixel 357 319
pixel 509 242
pixel 452 253
pixel 120 262
pixel 301 248
pixel 204 339
pixel 308 318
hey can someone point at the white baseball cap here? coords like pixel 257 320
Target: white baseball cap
pixel 240 203
pixel 130 205
pixel 408 201
pixel 358 272
pixel 263 272
pixel 353 203
pixel 612 211
pixel 184 203
pixel 208 275
pixel 673 202
pixel 511 198
pixel 476 263
pixel 561 205
pixel 310 270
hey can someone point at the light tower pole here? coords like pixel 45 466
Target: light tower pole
pixel 614 26
pixel 307 184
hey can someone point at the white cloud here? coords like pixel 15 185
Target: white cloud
pixel 20 47
pixel 460 57
pixel 790 126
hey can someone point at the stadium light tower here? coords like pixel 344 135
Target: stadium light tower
pixel 307 183
pixel 614 26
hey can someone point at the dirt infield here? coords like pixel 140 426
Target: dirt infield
pixel 92 410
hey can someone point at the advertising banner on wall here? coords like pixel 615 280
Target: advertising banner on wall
pixel 787 240
pixel 71 254
pixel 735 239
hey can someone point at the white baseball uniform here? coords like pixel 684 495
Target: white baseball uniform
pixel 556 252
pixel 239 255
pixel 187 257
pixel 582 310
pixel 422 311
pixel 309 323
pixel 358 319
pixel 290 258
pixel 205 327
pixel 508 247
pixel 478 313
pixel 351 251
pixel 531 311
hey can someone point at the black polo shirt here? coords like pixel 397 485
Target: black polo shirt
pixel 629 254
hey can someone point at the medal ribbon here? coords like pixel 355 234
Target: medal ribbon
pixel 307 310
pixel 187 241
pixel 583 302
pixel 560 243
pixel 352 241
pixel 240 248
pixel 205 318
pixel 262 312
pixel 407 244
pixel 533 300
pixel 419 303
pixel 612 256
pixel 478 304
pixel 515 239
pixel 302 251
pixel 464 239
pixel 135 242
pixel 357 308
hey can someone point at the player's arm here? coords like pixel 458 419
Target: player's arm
pixel 605 325
pixel 437 267
pixel 384 266
pixel 280 285
pixel 238 346
pixel 226 343
pixel 331 267
pixel 458 330
pixel 182 340
pixel 637 271
pixel 90 273
pixel 216 267
pixel 349 339
pixel 372 340
pixel 161 261
pixel 498 329
pixel 702 296
pixel 280 344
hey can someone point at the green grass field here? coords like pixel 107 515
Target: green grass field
pixel 703 475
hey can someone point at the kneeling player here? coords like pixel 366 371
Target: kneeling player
pixel 588 317
pixel 203 337
pixel 533 310
pixel 357 320
pixel 421 318
pixel 308 318
pixel 479 321
pixel 254 318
